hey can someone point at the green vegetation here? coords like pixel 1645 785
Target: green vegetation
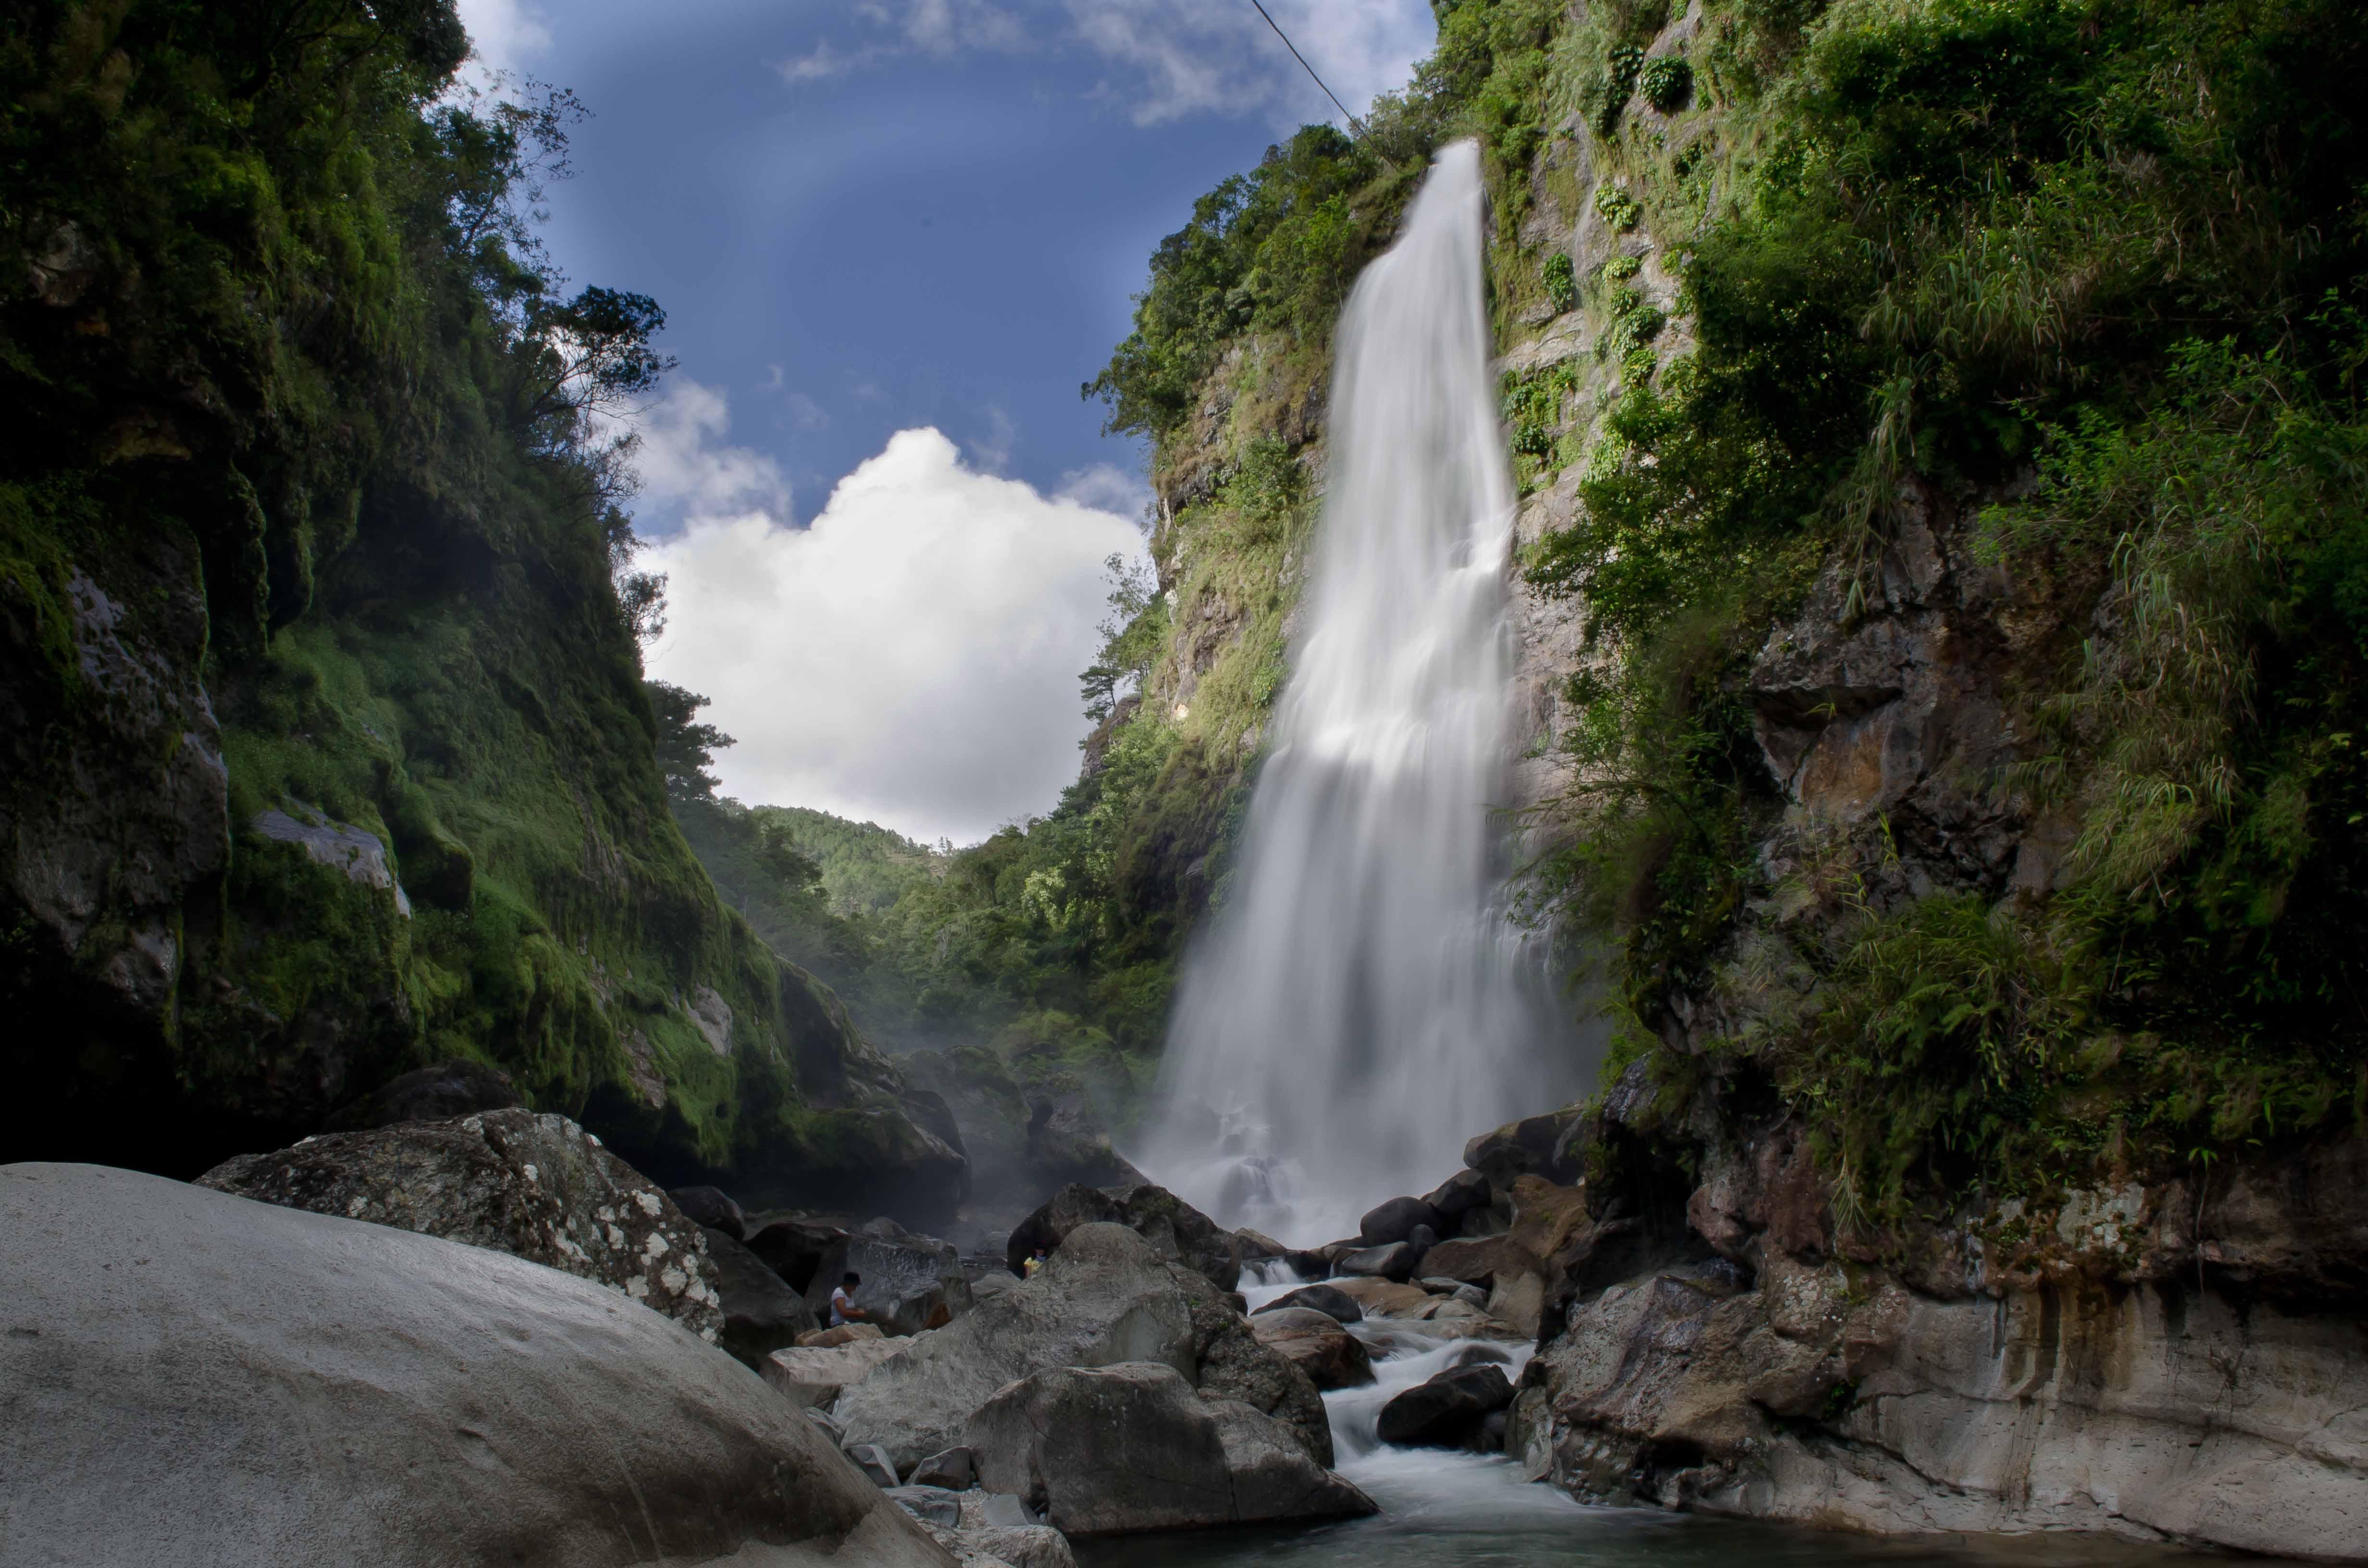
pixel 2096 272
pixel 301 403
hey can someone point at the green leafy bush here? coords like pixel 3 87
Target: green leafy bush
pixel 1666 81
pixel 1561 280
pixel 1616 207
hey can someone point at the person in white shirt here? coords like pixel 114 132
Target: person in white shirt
pixel 843 1309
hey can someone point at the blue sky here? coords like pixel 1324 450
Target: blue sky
pixel 891 216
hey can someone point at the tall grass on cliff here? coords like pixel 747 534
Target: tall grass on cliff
pixel 2095 271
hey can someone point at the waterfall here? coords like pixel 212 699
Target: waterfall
pixel 1360 1005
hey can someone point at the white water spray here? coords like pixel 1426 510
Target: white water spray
pixel 1362 1005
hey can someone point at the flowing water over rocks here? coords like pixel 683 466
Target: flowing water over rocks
pixel 1363 1002
pixel 1443 1509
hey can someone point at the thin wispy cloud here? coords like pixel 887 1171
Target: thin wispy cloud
pixel 1165 59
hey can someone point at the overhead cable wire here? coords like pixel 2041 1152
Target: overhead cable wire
pixel 1312 76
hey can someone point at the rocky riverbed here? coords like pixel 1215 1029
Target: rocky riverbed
pixel 488 1338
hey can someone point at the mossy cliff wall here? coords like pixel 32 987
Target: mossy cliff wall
pixel 326 753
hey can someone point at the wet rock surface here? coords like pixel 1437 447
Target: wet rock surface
pixel 535 1186
pixel 1132 1446
pixel 1104 1298
pixel 412 1400
pixel 1314 1342
pixel 1447 1411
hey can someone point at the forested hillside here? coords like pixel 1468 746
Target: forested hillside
pixel 327 753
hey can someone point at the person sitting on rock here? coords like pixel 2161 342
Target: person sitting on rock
pixel 1033 1264
pixel 843 1309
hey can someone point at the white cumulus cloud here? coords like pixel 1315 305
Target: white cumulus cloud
pixel 911 657
pixel 686 468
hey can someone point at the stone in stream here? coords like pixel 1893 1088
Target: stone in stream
pixel 931 1503
pixel 761 1313
pixel 538 1188
pixel 1331 1355
pixel 1459 1195
pixel 1115 1449
pixel 195 1378
pixel 711 1208
pixel 1448 1410
pixel 954 1468
pixel 1469 1295
pixel 1103 1298
pixel 1176 1232
pixel 1395 1221
pixel 1394 1261
pixel 1330 1301
pixel 1386 1297
pixel 873 1461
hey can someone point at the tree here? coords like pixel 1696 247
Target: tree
pixel 685 748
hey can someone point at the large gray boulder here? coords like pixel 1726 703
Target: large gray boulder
pixel 761 1313
pixel 191 1378
pixel 1178 1231
pixel 1104 1298
pixel 1112 1450
pixel 538 1188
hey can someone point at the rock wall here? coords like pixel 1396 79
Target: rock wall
pixel 2129 1360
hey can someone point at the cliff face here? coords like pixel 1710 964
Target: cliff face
pixel 326 753
pixel 1939 447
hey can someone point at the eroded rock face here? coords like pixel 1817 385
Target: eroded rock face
pixel 1127 1447
pixel 535 1186
pixel 415 1402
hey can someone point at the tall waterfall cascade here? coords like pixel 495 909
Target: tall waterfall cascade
pixel 1361 1005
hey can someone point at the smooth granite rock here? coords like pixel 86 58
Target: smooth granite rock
pixel 190 1378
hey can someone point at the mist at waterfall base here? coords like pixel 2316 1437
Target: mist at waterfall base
pixel 1362 1004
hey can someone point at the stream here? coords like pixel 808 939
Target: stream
pixel 1443 1508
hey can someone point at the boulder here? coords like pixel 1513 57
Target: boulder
pixel 1394 1261
pixel 873 1460
pixel 1448 1410
pixel 1538 1145
pixel 1459 1195
pixel 761 1313
pixel 909 1284
pixel 815 1375
pixel 1002 1525
pixel 1395 1221
pixel 449 1088
pixel 930 1504
pixel 538 1188
pixel 1420 1239
pixel 1104 1298
pixel 794 1249
pixel 1477 1262
pixel 1119 1448
pixel 954 1468
pixel 1178 1231
pixel 711 1208
pixel 1314 1342
pixel 192 1378
pixel 1329 1300
pixel 1469 1295
pixel 1382 1298
pixel 845 1333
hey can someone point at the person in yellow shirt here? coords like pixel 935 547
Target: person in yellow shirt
pixel 1033 1264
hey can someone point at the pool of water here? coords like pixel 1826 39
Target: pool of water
pixel 1442 1509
